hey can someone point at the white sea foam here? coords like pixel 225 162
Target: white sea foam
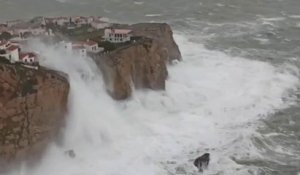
pixel 153 15
pixel 62 1
pixel 138 3
pixel 211 103
pixel 274 19
pixel 295 16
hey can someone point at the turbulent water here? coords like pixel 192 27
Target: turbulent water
pixel 235 94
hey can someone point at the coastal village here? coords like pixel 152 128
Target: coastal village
pixel 78 35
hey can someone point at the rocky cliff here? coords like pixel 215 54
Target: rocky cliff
pixel 32 108
pixel 162 33
pixel 142 64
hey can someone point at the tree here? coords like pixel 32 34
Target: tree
pixel 2 52
pixel 5 36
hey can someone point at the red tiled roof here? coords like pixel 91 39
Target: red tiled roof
pixel 120 31
pixel 23 55
pixel 12 48
pixel 31 54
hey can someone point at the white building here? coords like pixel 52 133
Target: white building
pixel 9 51
pixel 38 31
pixel 97 24
pixel 75 48
pixel 79 20
pixel 117 35
pixel 79 50
pixel 28 58
pixel 92 46
pixel 82 48
pixel 61 20
pixel 90 19
pixel 4 45
pixel 100 18
pixel 67 46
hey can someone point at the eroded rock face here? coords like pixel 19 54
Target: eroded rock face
pixel 142 64
pixel 162 33
pixel 33 104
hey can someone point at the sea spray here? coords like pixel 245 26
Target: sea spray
pixel 212 103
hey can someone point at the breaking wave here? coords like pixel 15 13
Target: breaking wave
pixel 212 103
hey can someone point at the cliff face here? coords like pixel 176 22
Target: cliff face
pixel 32 108
pixel 142 64
pixel 162 33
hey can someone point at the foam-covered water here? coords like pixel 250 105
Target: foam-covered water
pixel 213 103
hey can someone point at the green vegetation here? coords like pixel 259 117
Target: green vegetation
pixel 108 46
pixel 82 33
pixel 5 36
pixel 4 60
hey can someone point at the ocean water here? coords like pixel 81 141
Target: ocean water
pixel 234 95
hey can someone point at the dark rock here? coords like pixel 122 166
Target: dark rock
pixel 202 162
pixel 70 153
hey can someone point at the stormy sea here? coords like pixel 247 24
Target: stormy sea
pixel 235 94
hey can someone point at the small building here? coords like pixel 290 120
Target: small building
pixel 3 45
pixel 92 46
pixel 38 31
pixel 90 19
pixel 117 35
pixel 9 51
pixel 80 20
pixel 82 47
pixel 28 58
pixel 13 52
pixel 97 24
pixel 67 46
pixel 100 18
pixel 79 50
pixel 61 20
pixel 75 48
pixel 24 57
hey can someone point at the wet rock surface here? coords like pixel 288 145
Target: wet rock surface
pixel 33 104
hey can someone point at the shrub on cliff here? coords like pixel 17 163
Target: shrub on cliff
pixel 108 46
pixel 5 36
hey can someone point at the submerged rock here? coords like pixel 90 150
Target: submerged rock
pixel 202 162
pixel 70 153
